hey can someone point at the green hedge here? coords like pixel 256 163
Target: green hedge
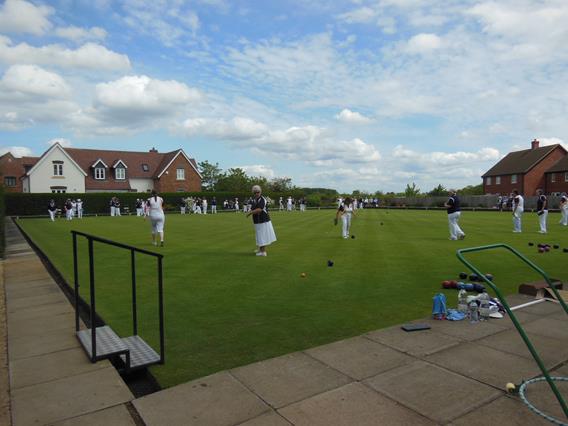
pixel 2 223
pixel 98 203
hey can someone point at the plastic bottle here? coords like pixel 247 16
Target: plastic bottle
pixel 473 313
pixel 484 307
pixel 462 301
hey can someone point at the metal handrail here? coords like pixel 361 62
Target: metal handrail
pixel 133 250
pixel 511 314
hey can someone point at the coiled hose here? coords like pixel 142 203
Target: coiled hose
pixel 522 389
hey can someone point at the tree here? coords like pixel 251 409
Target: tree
pixel 438 191
pixel 411 191
pixel 210 175
pixel 281 185
pixel 472 190
pixel 235 180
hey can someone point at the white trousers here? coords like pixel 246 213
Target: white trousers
pixel 517 220
pixel 213 209
pixel 139 212
pixel 80 213
pixel 204 209
pixel 346 219
pixel 52 215
pixel 455 230
pixel 564 213
pixel 542 221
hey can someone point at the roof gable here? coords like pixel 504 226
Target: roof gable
pixel 519 162
pixel 99 161
pixel 175 155
pixel 55 146
pixel 560 166
pixel 117 164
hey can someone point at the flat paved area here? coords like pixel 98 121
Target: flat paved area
pixel 453 374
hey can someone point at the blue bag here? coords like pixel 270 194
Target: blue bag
pixel 439 310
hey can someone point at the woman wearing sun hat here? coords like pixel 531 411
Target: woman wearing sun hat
pixel 263 229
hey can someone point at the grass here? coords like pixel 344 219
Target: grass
pixel 225 307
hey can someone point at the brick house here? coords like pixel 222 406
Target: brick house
pixel 523 170
pixel 12 169
pixel 77 170
pixel 557 177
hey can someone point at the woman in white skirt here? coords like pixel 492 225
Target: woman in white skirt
pixel 154 209
pixel 263 229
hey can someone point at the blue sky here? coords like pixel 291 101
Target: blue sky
pixel 359 94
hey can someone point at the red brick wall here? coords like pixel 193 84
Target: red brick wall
pixel 169 183
pixel 10 166
pixel 561 185
pixel 534 179
pixel 505 187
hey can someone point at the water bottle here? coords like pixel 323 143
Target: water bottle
pixel 473 312
pixel 462 301
pixel 484 307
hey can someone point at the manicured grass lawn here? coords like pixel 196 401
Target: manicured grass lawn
pixel 225 307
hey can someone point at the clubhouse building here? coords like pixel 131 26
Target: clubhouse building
pixel 74 170
pixel 528 170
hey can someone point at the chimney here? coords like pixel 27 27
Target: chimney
pixel 534 144
pixel 155 150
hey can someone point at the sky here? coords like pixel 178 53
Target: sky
pixel 362 94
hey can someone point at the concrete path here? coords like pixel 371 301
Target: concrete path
pixel 453 374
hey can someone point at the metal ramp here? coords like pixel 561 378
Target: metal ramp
pixel 545 373
pixel 101 342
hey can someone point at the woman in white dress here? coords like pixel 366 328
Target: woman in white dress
pixel 154 210
pixel 345 211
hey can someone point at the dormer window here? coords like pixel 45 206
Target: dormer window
pixel 119 170
pixel 100 173
pixel 145 167
pixel 99 169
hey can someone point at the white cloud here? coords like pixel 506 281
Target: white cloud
pixel 16 151
pixel 19 16
pixel 552 141
pixel 142 93
pixel 88 56
pixel 437 158
pixel 259 170
pixel 236 129
pixel 65 143
pixel 81 34
pixel 11 121
pixel 424 43
pixel 352 117
pixel 30 80
pixel 363 15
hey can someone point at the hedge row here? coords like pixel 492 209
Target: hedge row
pixel 2 223
pixel 98 203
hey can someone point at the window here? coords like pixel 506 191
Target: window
pixel 497 180
pixel 513 178
pixel 9 181
pixel 488 180
pixel 100 173
pixel 553 177
pixel 58 168
pixel 145 168
pixel 120 173
pixel 566 177
pixel 180 174
pixel 58 189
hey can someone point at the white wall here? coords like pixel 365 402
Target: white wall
pixel 41 179
pixel 142 185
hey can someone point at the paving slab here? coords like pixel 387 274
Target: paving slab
pixel 52 366
pixel 215 400
pixel 16 285
pixel 543 308
pixel 41 313
pixel 464 330
pixel 50 402
pixel 114 416
pixel 522 317
pixel 352 404
pixel 359 357
pixel 27 302
pixel 486 364
pixel 18 329
pixel 416 343
pixel 437 393
pixel 5 417
pixel 42 290
pixel 503 411
pixel 269 419
pixel 42 344
pixel 289 378
pixel 550 327
pixel 552 351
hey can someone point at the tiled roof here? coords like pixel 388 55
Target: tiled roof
pixel 560 166
pixel 16 167
pixel 520 161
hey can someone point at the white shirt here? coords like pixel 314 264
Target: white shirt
pixel 521 202
pixel 155 206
